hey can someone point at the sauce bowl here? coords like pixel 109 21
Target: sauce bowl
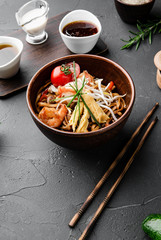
pixel 10 69
pixel 99 67
pixel 80 44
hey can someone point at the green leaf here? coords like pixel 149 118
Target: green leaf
pixel 133 33
pixel 138 44
pixel 75 76
pixel 155 29
pixel 139 28
pixel 124 40
pixel 77 92
pixel 150 37
pixel 144 30
pixel 73 98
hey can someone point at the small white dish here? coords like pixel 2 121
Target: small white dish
pixel 9 69
pixel 80 44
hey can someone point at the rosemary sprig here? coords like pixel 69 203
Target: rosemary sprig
pixel 144 30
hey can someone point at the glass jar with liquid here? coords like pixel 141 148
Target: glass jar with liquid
pixel 32 17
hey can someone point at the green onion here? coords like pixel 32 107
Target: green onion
pixel 75 76
pixel 77 93
pixel 57 99
pixel 65 69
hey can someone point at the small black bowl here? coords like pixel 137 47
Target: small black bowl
pixel 131 13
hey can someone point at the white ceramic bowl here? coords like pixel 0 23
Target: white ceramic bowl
pixel 80 44
pixel 9 69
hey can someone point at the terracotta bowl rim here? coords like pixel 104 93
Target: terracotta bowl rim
pixel 99 131
pixel 135 5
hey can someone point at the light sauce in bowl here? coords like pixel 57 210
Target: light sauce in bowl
pixel 7 53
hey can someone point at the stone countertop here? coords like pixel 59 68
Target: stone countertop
pixel 42 184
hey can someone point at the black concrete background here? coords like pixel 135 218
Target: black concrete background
pixel 42 184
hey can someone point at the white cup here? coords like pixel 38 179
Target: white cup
pixel 80 44
pixel 11 68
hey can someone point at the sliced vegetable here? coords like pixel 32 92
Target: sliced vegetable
pixel 152 226
pixel 111 84
pixel 44 96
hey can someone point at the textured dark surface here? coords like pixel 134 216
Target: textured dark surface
pixel 42 185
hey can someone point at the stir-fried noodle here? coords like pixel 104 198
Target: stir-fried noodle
pixel 80 106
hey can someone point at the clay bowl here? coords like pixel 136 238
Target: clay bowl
pixel 99 67
pixel 131 13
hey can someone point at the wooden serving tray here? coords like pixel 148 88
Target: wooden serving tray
pixel 35 56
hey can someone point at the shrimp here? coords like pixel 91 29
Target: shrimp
pixel 65 92
pixel 53 117
pixel 89 78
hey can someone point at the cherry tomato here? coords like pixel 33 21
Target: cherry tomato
pixel 77 69
pixel 59 78
pixel 63 74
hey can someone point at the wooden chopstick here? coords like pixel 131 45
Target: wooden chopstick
pixel 91 196
pixel 113 188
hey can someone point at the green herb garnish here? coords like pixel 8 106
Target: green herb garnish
pixel 58 99
pixel 79 95
pixel 75 76
pixel 144 30
pixel 65 69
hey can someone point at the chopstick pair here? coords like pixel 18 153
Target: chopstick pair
pixel 89 199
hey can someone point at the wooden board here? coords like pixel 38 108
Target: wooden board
pixel 35 56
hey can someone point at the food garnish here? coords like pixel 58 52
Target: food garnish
pixel 145 30
pixel 66 69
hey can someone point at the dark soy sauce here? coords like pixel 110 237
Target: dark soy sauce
pixel 7 53
pixel 80 29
